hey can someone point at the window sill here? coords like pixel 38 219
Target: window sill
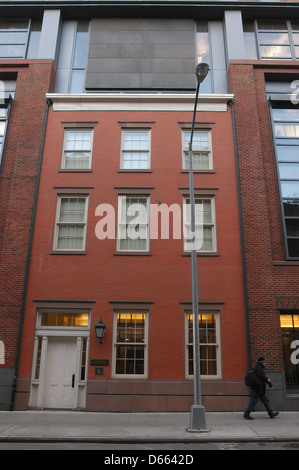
pixel 132 253
pixel 134 171
pixel 200 171
pixel 286 263
pixel 207 253
pixel 72 170
pixel 68 252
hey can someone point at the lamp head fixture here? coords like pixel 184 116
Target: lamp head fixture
pixel 100 329
pixel 202 70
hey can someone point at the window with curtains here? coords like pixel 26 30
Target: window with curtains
pixel 205 225
pixel 209 340
pixel 133 223
pixel 135 149
pixel 202 158
pixel 77 149
pixel 71 223
pixel 130 338
pixel 286 133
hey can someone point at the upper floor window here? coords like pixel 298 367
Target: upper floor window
pixel 133 223
pixel 77 149
pixel 19 39
pixel 201 150
pixel 77 82
pixel 71 223
pixel 205 225
pixel 266 39
pixel 203 52
pixel 286 133
pixel 135 149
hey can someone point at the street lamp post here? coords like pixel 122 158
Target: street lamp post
pixel 197 414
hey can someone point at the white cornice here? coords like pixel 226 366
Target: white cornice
pixel 138 102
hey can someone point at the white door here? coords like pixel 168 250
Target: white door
pixel 61 369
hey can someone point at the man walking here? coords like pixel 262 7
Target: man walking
pixel 259 390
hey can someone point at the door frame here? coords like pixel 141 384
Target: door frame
pixel 40 355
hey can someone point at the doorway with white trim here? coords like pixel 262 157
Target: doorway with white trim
pixel 60 360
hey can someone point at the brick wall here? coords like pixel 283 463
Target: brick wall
pixel 269 276
pixel 17 185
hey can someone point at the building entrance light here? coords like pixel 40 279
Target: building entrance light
pixel 100 329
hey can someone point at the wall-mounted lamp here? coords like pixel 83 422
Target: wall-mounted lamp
pixel 100 329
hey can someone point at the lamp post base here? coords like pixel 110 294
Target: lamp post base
pixel 197 419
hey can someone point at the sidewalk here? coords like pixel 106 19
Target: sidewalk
pixel 69 426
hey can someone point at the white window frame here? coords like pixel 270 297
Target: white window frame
pixel 212 224
pixel 217 344
pixel 195 152
pixel 116 344
pixel 135 151
pixel 121 224
pixel 82 130
pixel 58 223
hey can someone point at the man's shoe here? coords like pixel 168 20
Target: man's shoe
pixel 247 416
pixel 275 413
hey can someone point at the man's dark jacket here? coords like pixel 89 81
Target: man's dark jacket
pixel 259 384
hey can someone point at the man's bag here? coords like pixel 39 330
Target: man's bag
pixel 250 378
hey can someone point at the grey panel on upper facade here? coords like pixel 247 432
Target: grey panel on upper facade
pixel 141 53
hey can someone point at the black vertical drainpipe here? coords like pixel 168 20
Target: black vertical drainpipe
pixel 29 251
pixel 244 272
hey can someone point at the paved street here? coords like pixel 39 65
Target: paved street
pixel 144 450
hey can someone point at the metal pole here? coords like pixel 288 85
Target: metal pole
pixel 197 413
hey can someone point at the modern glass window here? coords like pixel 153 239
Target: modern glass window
pixel 77 82
pixel 202 158
pixel 133 223
pixel 77 149
pixel 286 133
pixel 203 52
pixel 289 323
pixel 19 39
pixel 250 40
pixel 130 339
pixel 34 40
pixel 272 39
pixel 209 339
pixel 71 223
pixel 135 149
pixel 205 225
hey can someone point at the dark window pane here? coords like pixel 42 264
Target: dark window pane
pixel 293 246
pixel 292 227
pixel 272 25
pixel 291 207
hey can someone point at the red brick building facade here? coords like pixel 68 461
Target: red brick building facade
pixel 105 280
